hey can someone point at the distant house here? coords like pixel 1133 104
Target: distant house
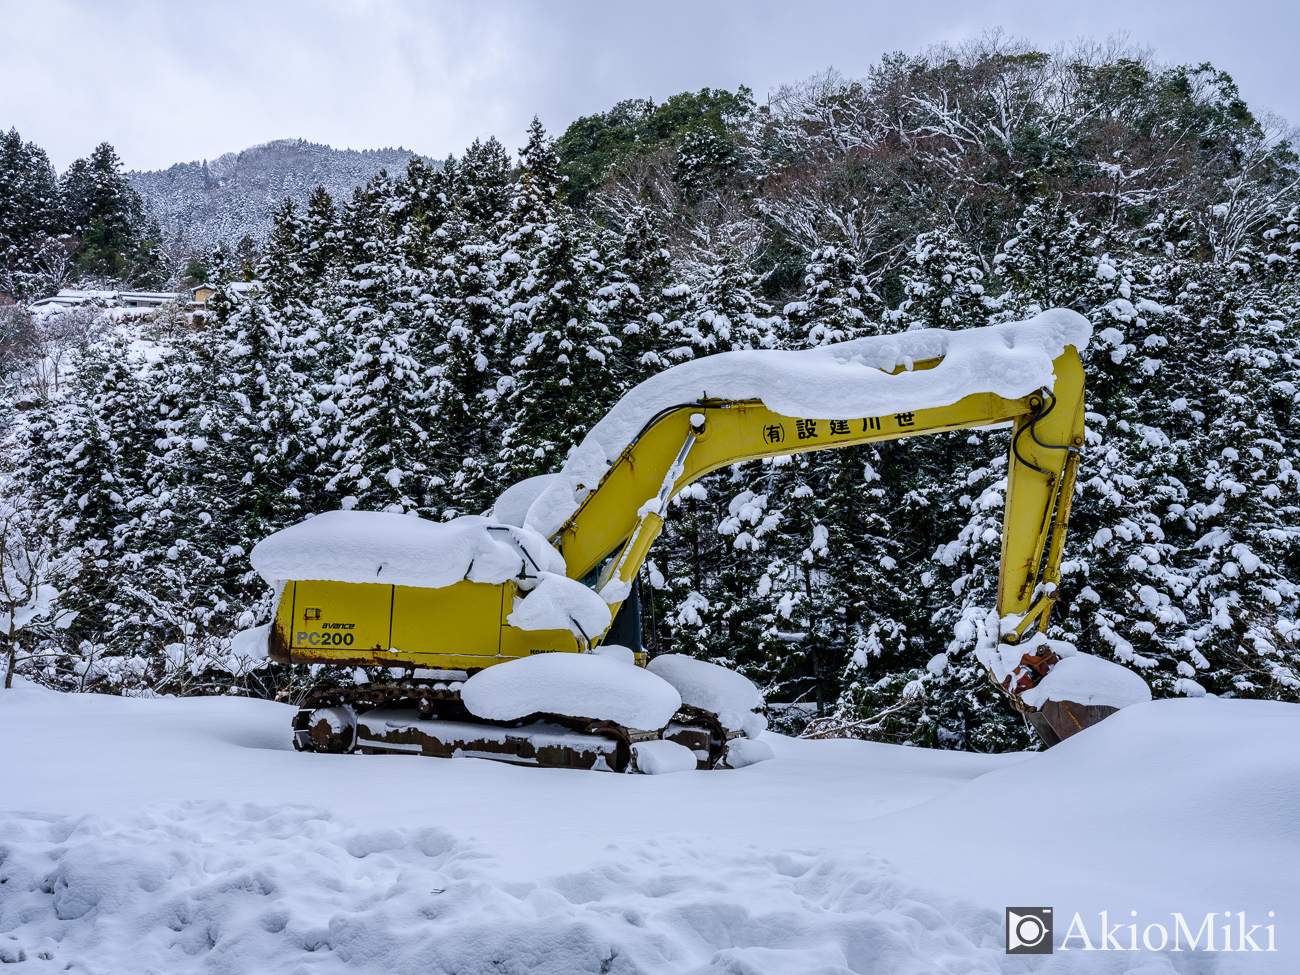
pixel 138 302
pixel 201 293
pixel 125 302
pixel 72 297
pixel 145 299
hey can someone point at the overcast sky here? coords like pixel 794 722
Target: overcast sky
pixel 171 82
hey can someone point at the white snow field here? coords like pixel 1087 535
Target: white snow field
pixel 170 835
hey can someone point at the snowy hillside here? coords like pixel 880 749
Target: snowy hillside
pixel 227 198
pixel 183 835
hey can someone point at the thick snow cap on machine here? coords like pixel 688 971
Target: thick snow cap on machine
pixel 850 379
pixel 401 550
pixel 511 508
pixel 731 696
pixel 581 685
pixel 560 603
pixel 1085 679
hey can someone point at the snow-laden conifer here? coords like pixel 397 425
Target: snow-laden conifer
pixel 562 368
pixel 379 403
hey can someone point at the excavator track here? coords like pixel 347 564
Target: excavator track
pixel 427 717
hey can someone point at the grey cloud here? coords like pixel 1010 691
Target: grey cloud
pixel 167 82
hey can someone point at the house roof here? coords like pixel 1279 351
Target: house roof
pixel 75 296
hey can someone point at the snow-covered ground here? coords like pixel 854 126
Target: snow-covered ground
pixel 185 836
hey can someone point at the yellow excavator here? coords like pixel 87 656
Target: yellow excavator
pixel 441 634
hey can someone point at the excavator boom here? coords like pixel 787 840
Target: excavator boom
pixel 694 439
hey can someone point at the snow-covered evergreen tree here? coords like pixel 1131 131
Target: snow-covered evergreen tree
pixel 88 461
pixel 727 313
pixel 646 305
pixel 383 414
pixel 1048 261
pixel 198 515
pixel 29 218
pixel 836 301
pixel 562 381
pixel 318 237
pixel 485 185
pixel 464 389
pixel 270 337
pixel 104 210
pixel 944 283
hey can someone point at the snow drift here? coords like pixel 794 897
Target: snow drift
pixel 846 380
pixel 184 835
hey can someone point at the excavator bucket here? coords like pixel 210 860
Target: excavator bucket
pixel 1058 720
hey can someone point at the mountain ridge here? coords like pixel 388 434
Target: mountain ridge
pixel 204 203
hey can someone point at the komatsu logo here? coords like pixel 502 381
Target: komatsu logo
pixel 1029 932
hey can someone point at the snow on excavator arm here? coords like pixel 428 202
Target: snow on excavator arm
pixel 610 536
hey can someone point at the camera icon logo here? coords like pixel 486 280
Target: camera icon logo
pixel 1029 930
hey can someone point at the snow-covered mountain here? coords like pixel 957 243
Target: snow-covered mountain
pixel 226 198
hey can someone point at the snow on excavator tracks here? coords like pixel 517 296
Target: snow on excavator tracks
pixel 582 685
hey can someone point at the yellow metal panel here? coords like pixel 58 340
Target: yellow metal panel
pixel 282 630
pixel 460 627
pixel 339 620
pixel 524 643
pixel 454 620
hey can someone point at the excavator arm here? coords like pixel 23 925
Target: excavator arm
pixel 610 536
